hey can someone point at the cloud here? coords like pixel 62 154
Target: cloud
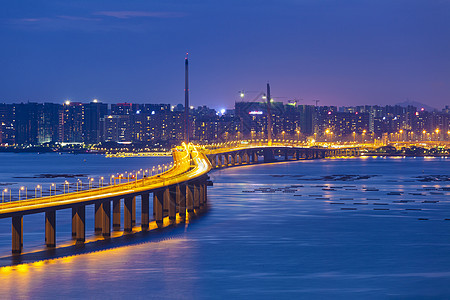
pixel 77 18
pixel 136 14
pixel 33 20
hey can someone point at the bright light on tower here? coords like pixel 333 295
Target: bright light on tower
pixel 67 102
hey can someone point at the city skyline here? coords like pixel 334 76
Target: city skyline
pixel 341 54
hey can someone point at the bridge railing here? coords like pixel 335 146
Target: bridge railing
pixel 179 166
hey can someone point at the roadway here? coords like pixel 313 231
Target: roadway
pixel 188 164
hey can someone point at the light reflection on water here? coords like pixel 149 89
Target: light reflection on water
pixel 275 244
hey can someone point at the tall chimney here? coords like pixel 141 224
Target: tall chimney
pixel 186 99
pixel 269 117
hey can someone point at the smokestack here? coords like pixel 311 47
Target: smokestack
pixel 269 117
pixel 186 99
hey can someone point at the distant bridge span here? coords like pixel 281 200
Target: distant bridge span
pixel 181 190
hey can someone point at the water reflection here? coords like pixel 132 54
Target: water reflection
pixel 275 244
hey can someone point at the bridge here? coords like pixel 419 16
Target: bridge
pixel 180 191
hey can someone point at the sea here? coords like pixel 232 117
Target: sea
pixel 344 228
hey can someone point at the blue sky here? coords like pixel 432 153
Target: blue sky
pixel 340 52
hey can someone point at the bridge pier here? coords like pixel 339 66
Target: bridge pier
pixel 171 195
pixel 17 234
pixel 255 157
pixel 116 214
pixel 166 203
pixel 181 199
pixel 127 214
pixel 158 197
pixel 80 223
pixel 225 160
pixel 190 197
pixel 286 155
pixel 97 218
pixel 203 189
pixel 145 211
pixel 133 212
pixel 74 224
pixel 50 228
pixel 106 219
pixel 196 194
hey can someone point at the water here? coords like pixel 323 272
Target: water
pixel 271 231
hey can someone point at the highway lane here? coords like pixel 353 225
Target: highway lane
pixel 188 164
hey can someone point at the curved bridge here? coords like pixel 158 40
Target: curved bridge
pixel 181 190
pixel 240 155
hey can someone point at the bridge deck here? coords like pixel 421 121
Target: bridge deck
pixel 184 169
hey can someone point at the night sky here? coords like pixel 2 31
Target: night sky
pixel 339 52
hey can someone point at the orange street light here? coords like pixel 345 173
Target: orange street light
pixel 22 188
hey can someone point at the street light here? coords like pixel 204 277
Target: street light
pixel 64 186
pixel 437 133
pixel 38 187
pixel 90 182
pixel 22 188
pixel 81 184
pixel 4 192
pixel 100 180
pixel 52 185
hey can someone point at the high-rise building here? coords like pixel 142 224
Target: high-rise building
pixel 71 122
pixel 93 112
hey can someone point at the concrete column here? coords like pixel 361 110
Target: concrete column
pixel 127 212
pixel 205 193
pixel 116 214
pixel 181 199
pixel 154 204
pixel 213 161
pixel 172 192
pixel 166 202
pixel 158 196
pixel 98 218
pixel 196 195
pixel 74 223
pixel 202 187
pixel 232 159
pixel 80 220
pixel 145 211
pixel 255 157
pixel 225 160
pixel 286 154
pixel 17 234
pixel 106 219
pixel 240 158
pixel 133 212
pixel 50 228
pixel 190 197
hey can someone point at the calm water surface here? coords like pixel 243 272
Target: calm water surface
pixel 324 229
